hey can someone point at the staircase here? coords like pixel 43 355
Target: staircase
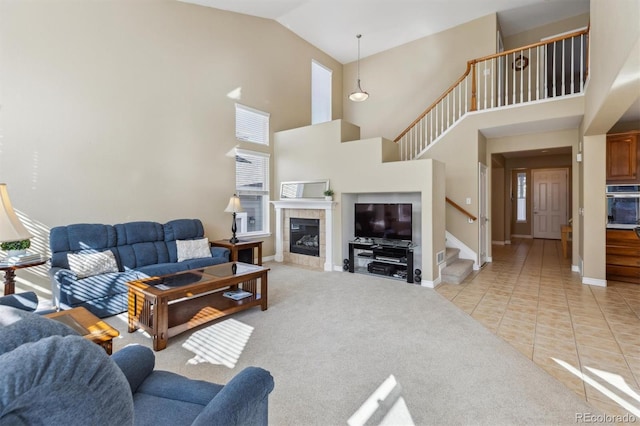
pixel 501 80
pixel 559 68
pixel 457 269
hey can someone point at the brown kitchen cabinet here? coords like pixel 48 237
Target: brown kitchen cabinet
pixel 622 157
pixel 623 255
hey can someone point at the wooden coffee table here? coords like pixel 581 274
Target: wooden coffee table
pixel 88 326
pixel 170 304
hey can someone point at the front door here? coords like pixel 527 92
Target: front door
pixel 549 202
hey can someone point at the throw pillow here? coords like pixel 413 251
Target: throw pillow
pixel 92 263
pixel 193 249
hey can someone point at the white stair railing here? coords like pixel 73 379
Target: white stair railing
pixel 548 69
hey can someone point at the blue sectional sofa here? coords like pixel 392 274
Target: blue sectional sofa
pixel 91 263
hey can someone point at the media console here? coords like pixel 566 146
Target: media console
pixel 393 259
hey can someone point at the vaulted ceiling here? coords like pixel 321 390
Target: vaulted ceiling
pixel 332 25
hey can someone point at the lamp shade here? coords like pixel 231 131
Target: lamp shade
pixel 234 205
pixel 11 229
pixel 359 95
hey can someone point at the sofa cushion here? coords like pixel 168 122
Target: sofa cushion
pixel 162 269
pixel 203 262
pixel 97 286
pixel 148 409
pixel 86 264
pixel 181 229
pixel 138 232
pixel 193 249
pixel 137 255
pixel 78 237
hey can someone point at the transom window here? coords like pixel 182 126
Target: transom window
pixel 252 125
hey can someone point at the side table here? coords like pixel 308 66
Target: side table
pixel 242 251
pixel 10 274
pixel 87 325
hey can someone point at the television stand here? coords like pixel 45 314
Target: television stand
pixel 392 259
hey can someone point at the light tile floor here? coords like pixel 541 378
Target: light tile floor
pixel 587 337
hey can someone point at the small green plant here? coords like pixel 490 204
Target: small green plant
pixel 328 192
pixel 16 245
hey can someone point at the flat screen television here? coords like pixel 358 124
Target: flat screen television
pixel 389 221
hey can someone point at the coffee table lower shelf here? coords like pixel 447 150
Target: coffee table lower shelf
pixel 164 314
pixel 191 313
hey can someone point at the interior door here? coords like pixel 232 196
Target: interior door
pixel 549 202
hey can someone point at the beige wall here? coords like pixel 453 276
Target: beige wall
pixel 362 168
pixel 537 34
pixel 402 82
pixel 615 51
pixel 119 110
pixel 594 217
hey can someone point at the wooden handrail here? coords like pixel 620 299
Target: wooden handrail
pixel 460 209
pixel 531 46
pixel 471 66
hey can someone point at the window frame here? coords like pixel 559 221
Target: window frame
pixel 265 193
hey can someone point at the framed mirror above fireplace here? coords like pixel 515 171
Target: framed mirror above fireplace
pixel 304 189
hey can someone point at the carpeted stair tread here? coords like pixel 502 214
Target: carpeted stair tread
pixel 457 271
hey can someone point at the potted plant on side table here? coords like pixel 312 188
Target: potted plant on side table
pixel 15 248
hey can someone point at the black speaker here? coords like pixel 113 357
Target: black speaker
pixel 345 265
pixel 417 275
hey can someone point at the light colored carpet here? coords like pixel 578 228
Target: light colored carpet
pixel 331 338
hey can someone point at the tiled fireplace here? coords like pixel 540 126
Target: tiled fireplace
pixel 299 249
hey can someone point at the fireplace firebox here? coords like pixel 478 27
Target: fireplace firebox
pixel 304 236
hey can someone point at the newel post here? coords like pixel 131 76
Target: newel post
pixel 474 101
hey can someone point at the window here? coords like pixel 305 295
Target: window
pixel 521 207
pixel 252 125
pixel 252 186
pixel 320 93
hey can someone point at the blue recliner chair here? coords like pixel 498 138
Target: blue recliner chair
pixel 27 301
pixel 50 375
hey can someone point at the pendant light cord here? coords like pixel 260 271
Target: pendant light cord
pixel 358 37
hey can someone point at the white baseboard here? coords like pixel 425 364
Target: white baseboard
pixel 522 236
pixel 594 281
pixel 575 268
pixel 268 258
pixel 499 243
pixel 431 284
pixel 507 242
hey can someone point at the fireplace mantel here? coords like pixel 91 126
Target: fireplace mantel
pixel 325 205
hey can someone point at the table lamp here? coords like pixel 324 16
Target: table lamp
pixel 234 207
pixel 11 229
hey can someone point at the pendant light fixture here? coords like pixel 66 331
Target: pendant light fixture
pixel 359 95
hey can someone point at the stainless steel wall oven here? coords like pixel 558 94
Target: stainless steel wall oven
pixel 623 206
